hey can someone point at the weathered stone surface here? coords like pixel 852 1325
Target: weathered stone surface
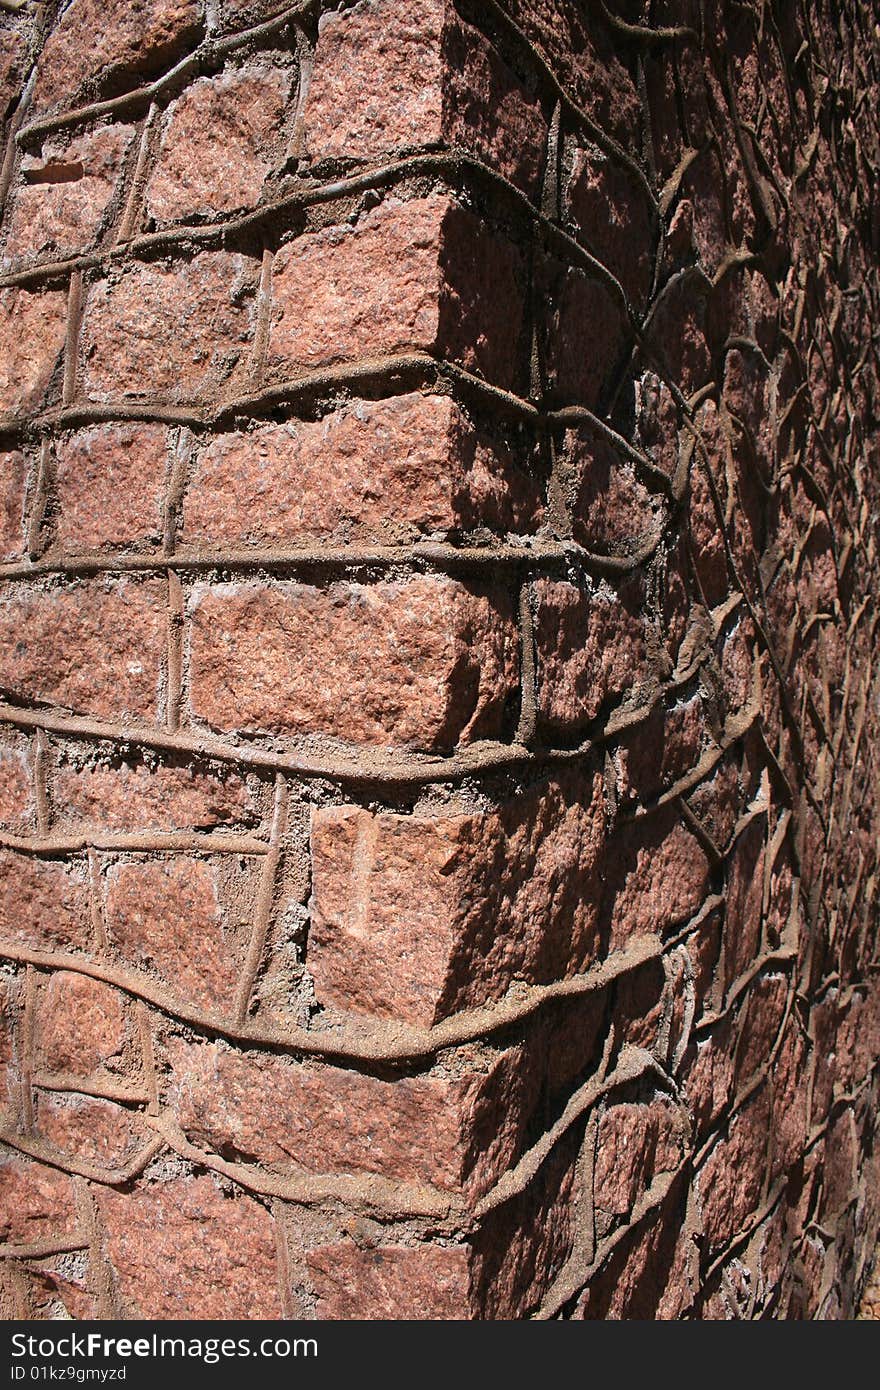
pixel 181 332
pixel 655 876
pixel 110 483
pixel 391 468
pixel 32 330
pixel 422 276
pixel 184 1248
pixel 99 49
pixel 43 902
pixel 635 1143
pixel 166 915
pixel 13 477
pixel 436 81
pixel 612 512
pixel 16 793
pixel 449 1132
pixel 89 1129
pixel 36 1203
pixel 61 203
pixel 592 647
pixel 731 1180
pixel 96 647
pixel 414 918
pixel 390 1281
pixel 612 215
pixel 138 796
pixel 81 1025
pixel 425 662
pixel 220 141
pixel 522 1245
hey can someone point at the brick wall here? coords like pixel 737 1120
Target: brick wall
pixel 439 721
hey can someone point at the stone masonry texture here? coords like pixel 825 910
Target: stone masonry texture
pixel 439 700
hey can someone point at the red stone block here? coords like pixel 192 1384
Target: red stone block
pixel 592 648
pixel 612 512
pixel 656 873
pixel 389 468
pixel 96 647
pixel 437 82
pixel 13 478
pixel 730 1183
pixel 110 484
pixel 220 141
pixel 33 324
pixel 166 916
pixel 451 1132
pixel 16 785
pixel 88 1129
pixel 179 332
pixel 581 311
pixel 108 47
pixel 423 276
pixel 65 195
pixel 137 796
pixel 44 903
pixel 424 662
pixel 81 1025
pixel 612 215
pixel 36 1202
pixel 390 1281
pixel 186 1248
pixel 414 918
pixel 635 1143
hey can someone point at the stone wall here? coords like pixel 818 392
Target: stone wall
pixel 439 720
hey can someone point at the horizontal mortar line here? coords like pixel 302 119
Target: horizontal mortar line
pixel 368 767
pixel 392 1198
pixel 449 166
pixel 422 366
pixel 66 1163
pixel 123 840
pixel 576 1274
pixel 283 557
pixel 99 1087
pixel 391 1042
pixel 209 53
pixel 632 1063
pixel 42 1249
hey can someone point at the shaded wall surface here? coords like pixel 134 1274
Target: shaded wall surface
pixel 438 707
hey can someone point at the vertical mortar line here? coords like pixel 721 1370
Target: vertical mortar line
pixel 38 501
pixel 306 57
pixel 263 908
pixel 27 1049
pixel 289 1311
pixel 41 799
pixel 174 497
pixel 133 204
pixel 71 341
pixel 175 652
pixel 551 200
pixel 8 165
pixel 99 928
pixel 100 1276
pixel 264 309
pixel 585 1237
pixel 528 679
pixel 145 1036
